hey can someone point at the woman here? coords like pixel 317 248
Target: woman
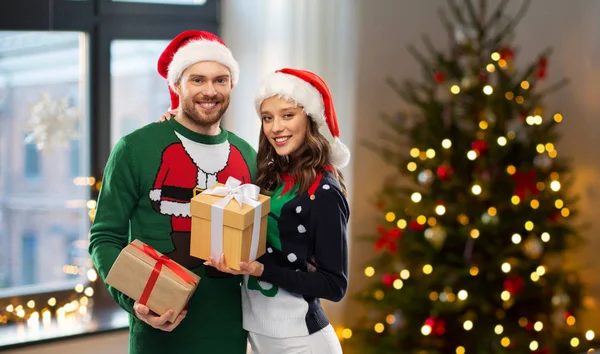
pixel 307 257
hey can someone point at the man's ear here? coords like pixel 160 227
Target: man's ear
pixel 177 87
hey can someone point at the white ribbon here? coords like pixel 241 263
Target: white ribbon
pixel 243 194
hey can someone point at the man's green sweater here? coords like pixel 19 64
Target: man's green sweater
pixel 149 179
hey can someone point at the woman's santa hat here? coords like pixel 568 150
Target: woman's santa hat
pixel 189 48
pixel 311 92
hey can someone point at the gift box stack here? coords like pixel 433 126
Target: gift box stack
pixel 228 219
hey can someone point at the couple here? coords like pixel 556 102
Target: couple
pixel 152 174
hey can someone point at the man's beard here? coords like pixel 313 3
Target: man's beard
pixel 203 119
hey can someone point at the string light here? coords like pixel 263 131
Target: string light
pixel 430 153
pixel 483 125
pixel 505 267
pixel 510 169
pixel 516 239
pixel 401 223
pixel 414 152
pixel 538 326
pixel 558 117
pixel 405 274
pixel 498 329
pixel 515 199
pixel 488 90
pixel 502 141
pixel 495 56
pixel 533 345
pixel 555 186
pixel 426 330
pixel 461 349
pixel 398 284
pixel 534 204
pixel 476 189
pixel 474 271
pixel 427 269
pixel 509 96
pixel 416 197
pixel 474 233
pixel 545 237
pixel 505 295
pixel 446 143
pixel 390 216
pixel 468 325
pixel 462 295
pixel 505 342
pixel 379 327
pixel 472 155
pixel 411 166
pixel 589 335
pixel 524 85
pixel 369 271
pixel 440 210
pixel 528 225
pixel 455 89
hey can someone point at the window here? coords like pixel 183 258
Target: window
pixel 32 161
pixel 70 51
pixel 167 2
pixel 133 69
pixel 29 260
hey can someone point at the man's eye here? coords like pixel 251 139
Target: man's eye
pixel 266 118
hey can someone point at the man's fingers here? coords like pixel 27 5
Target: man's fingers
pixel 168 327
pixel 141 309
pixel 158 321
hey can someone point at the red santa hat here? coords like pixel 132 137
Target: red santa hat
pixel 189 48
pixel 311 92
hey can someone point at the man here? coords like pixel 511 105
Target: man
pixel 149 180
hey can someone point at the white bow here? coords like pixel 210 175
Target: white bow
pixel 234 189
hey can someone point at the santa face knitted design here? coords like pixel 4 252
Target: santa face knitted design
pixel 149 180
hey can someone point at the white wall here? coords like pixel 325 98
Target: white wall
pixel 314 35
pixel 386 27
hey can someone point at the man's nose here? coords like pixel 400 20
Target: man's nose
pixel 209 90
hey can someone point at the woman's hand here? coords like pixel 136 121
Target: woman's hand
pixel 170 114
pixel 254 268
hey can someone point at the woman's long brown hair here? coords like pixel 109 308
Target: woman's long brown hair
pixel 304 168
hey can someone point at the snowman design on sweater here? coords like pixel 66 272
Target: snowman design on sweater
pixel 306 260
pixel 188 167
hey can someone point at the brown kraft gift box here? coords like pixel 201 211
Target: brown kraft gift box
pixel 135 269
pixel 237 228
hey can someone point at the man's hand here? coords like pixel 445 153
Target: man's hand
pixel 254 268
pixel 167 116
pixel 159 322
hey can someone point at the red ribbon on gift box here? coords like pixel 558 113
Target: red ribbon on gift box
pixel 160 261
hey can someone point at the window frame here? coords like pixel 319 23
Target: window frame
pixel 103 21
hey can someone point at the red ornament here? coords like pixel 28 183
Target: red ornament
pixel 439 77
pixel 529 326
pixel 388 239
pixel 567 315
pixel 388 279
pixel 507 53
pixel 437 325
pixel 542 67
pixel 525 181
pixel 445 172
pixel 554 216
pixel 414 225
pixel 514 284
pixel 480 146
pixel 543 350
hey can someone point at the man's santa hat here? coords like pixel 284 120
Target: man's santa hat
pixel 189 48
pixel 310 92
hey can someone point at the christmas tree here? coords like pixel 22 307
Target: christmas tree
pixel 471 243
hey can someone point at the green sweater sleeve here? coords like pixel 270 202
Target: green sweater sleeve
pixel 118 197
